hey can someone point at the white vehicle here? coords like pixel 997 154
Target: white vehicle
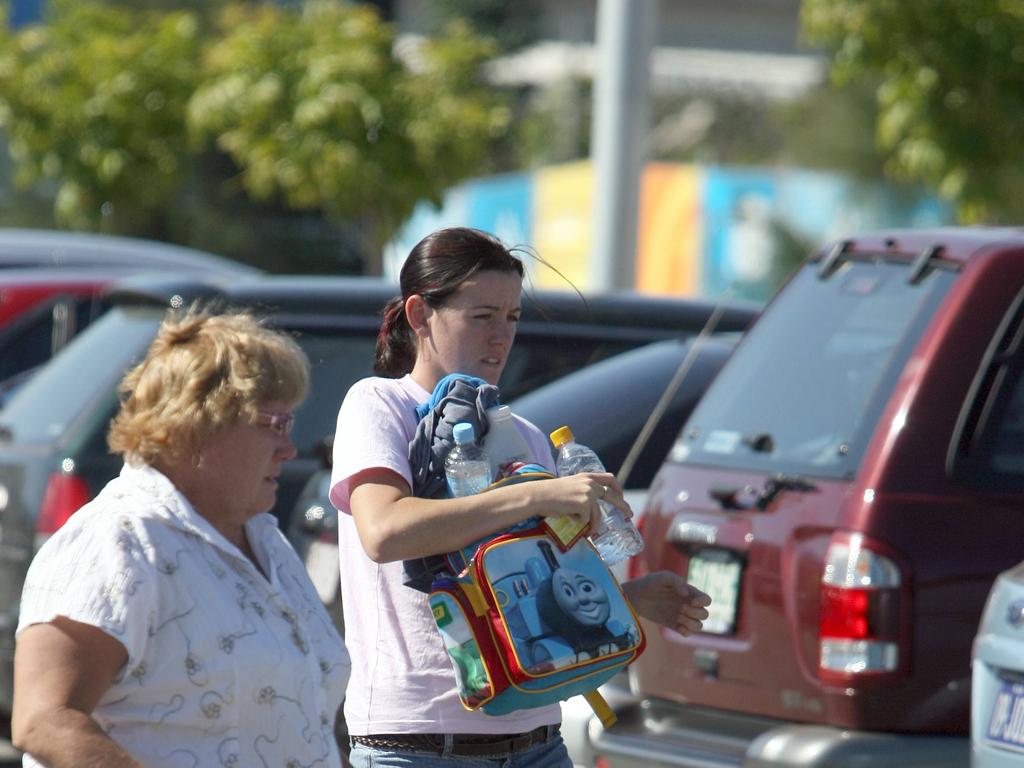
pixel 997 685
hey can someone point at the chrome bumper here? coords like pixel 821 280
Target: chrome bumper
pixel 654 734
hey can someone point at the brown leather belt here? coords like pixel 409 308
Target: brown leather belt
pixel 463 744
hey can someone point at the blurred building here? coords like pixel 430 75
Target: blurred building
pixel 749 47
pixel 769 26
pixel 703 228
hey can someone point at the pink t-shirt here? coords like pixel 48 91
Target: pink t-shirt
pixel 402 679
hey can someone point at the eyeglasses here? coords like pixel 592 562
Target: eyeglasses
pixel 281 423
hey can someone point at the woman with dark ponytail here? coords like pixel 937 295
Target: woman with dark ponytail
pixel 457 313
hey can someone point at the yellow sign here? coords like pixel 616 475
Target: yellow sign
pixel 669 230
pixel 563 200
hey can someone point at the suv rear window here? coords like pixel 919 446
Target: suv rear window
pixel 803 392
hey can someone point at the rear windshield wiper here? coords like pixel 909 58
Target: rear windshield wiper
pixel 729 497
pixel 761 442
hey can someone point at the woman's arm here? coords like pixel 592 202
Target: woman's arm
pixel 61 670
pixel 665 597
pixel 394 525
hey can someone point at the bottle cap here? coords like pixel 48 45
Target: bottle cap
pixel 561 436
pixel 499 412
pixel 463 432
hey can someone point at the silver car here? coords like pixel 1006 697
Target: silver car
pixel 997 684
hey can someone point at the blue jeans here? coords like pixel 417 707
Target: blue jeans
pixel 550 754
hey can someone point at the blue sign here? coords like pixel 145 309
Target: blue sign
pixel 740 240
pixel 25 12
pixel 503 206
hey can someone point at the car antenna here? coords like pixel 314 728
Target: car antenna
pixel 666 397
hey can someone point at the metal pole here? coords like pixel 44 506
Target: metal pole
pixel 625 37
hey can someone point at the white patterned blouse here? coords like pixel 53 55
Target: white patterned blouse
pixel 225 667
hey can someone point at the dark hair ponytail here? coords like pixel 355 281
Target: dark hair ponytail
pixel 434 269
pixel 396 351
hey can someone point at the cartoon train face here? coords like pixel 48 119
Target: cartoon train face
pixel 558 615
pixel 579 598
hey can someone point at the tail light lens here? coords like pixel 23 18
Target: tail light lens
pixel 64 494
pixel 859 624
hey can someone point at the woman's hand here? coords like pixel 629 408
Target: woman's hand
pixel 580 496
pixel 665 597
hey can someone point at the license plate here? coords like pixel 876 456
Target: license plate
pixel 1006 723
pixel 717 572
pixel 322 566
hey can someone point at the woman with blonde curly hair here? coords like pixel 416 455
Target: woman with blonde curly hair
pixel 169 622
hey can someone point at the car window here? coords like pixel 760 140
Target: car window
pixel 61 391
pixel 537 358
pixel 28 346
pixel 996 458
pixel 802 393
pixel 337 361
pixel 31 340
pixel 1006 451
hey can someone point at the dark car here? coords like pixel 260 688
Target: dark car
pixel 997 680
pixel 847 490
pixel 53 455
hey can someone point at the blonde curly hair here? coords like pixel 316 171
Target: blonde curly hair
pixel 203 372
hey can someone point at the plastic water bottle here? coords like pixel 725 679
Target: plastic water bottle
pixel 617 538
pixel 466 466
pixel 504 442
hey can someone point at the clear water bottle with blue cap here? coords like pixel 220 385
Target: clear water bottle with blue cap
pixel 617 538
pixel 466 467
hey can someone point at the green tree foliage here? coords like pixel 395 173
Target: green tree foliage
pixel 951 93
pixel 125 106
pixel 317 111
pixel 96 99
pixel 832 128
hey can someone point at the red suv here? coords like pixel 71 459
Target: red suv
pixel 847 490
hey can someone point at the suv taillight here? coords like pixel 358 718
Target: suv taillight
pixel 859 624
pixel 64 494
